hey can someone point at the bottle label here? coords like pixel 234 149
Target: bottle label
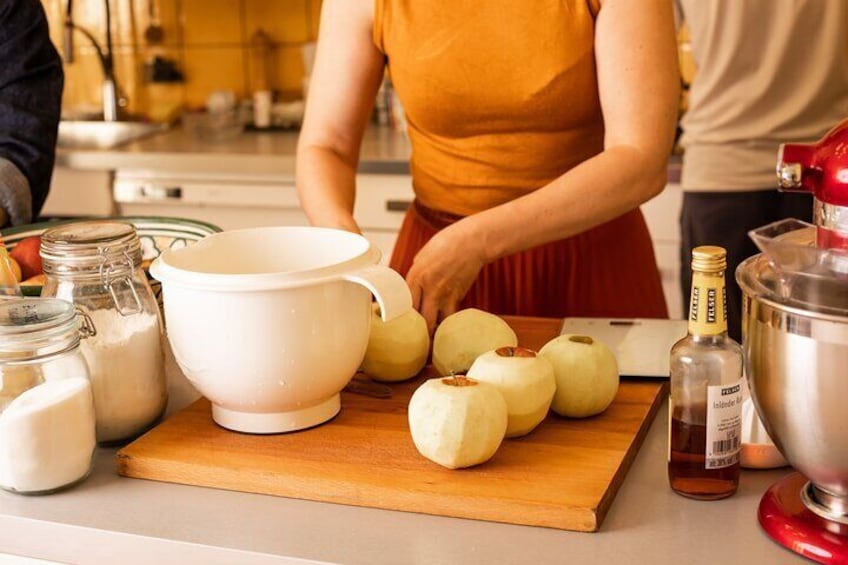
pixel 724 425
pixel 708 306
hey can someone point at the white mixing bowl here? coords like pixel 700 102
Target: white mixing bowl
pixel 271 323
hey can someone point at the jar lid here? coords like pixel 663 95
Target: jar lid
pixel 93 235
pixel 29 324
pixel 89 244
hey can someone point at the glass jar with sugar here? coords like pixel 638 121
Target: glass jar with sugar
pixel 97 266
pixel 46 402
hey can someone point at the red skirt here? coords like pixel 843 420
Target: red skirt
pixel 608 271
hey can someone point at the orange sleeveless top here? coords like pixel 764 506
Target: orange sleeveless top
pixel 500 97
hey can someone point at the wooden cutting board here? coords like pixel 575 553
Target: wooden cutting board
pixel 563 475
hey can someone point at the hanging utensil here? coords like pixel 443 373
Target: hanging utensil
pixel 154 32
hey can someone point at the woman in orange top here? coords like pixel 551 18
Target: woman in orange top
pixel 537 129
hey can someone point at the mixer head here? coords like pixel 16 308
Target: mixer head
pixel 821 168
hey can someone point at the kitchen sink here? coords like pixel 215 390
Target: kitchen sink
pixel 84 134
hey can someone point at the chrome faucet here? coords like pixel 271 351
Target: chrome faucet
pixel 112 100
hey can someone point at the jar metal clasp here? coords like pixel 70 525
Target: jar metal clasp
pixel 117 279
pixel 87 327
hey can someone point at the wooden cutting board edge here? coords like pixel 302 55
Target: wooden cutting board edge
pixel 630 455
pixel 579 519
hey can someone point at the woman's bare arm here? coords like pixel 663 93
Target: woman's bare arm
pixel 345 79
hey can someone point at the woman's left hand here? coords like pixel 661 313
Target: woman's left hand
pixel 443 271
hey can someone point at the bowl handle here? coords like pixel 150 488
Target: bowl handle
pixel 387 286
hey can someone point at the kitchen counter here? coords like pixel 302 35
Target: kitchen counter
pixel 383 151
pixel 109 518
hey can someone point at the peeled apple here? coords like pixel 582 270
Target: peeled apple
pixel 456 421
pixel 525 380
pixel 586 375
pixel 464 335
pixel 397 350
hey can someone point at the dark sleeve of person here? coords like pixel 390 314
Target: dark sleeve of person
pixel 31 80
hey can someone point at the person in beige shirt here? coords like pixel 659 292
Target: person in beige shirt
pixel 767 72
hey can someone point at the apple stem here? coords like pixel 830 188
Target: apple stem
pixel 514 352
pixel 458 380
pixel 582 339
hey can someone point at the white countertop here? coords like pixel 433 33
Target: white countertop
pixel 109 519
pixel 383 150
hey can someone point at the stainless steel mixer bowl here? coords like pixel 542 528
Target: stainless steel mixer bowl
pixel 797 369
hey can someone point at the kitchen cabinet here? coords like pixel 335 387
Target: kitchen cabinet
pixel 381 203
pixel 229 201
pixel 244 201
pixel 79 192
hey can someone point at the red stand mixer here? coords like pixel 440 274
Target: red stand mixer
pixel 795 338
pixel 821 169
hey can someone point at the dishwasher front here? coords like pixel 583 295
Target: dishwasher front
pixel 228 201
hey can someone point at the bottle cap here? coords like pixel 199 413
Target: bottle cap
pixel 709 259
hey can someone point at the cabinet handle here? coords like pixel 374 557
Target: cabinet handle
pixel 156 192
pixel 398 205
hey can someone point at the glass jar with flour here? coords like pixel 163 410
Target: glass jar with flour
pixel 97 266
pixel 46 402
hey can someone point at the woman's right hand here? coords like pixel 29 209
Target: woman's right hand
pixel 443 271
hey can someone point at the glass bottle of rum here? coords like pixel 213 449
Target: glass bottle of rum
pixel 705 402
